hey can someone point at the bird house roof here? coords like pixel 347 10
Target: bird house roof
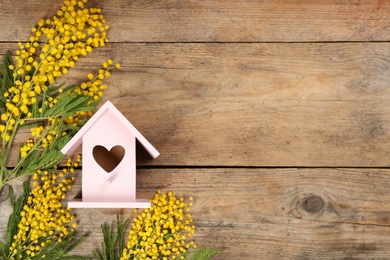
pixel 76 141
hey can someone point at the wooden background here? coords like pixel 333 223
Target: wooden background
pixel 274 115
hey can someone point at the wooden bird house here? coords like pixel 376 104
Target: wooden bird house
pixel 109 160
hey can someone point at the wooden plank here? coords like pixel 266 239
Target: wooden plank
pixel 253 104
pixel 269 213
pixel 218 21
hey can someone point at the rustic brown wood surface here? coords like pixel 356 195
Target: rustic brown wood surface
pixel 218 21
pixel 254 106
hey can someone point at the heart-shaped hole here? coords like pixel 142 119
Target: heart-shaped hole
pixel 108 159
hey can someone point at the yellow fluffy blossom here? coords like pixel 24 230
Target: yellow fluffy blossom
pixel 44 221
pixel 72 33
pixel 34 98
pixel 94 87
pixel 162 231
pixel 26 148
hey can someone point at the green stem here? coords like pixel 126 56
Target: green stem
pixel 8 181
pixel 5 174
pixel 36 146
pixel 11 140
pixel 1 183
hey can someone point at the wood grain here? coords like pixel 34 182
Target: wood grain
pixel 269 213
pixel 257 109
pixel 253 104
pixel 218 21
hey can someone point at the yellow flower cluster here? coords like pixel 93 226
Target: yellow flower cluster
pixel 72 33
pixel 94 88
pixel 161 232
pixel 44 220
pixel 41 141
pixel 33 97
pixel 26 148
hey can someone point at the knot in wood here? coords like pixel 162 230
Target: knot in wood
pixel 313 204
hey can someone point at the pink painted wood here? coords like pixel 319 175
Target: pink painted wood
pixel 108 128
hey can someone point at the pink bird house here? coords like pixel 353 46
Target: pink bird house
pixel 108 155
